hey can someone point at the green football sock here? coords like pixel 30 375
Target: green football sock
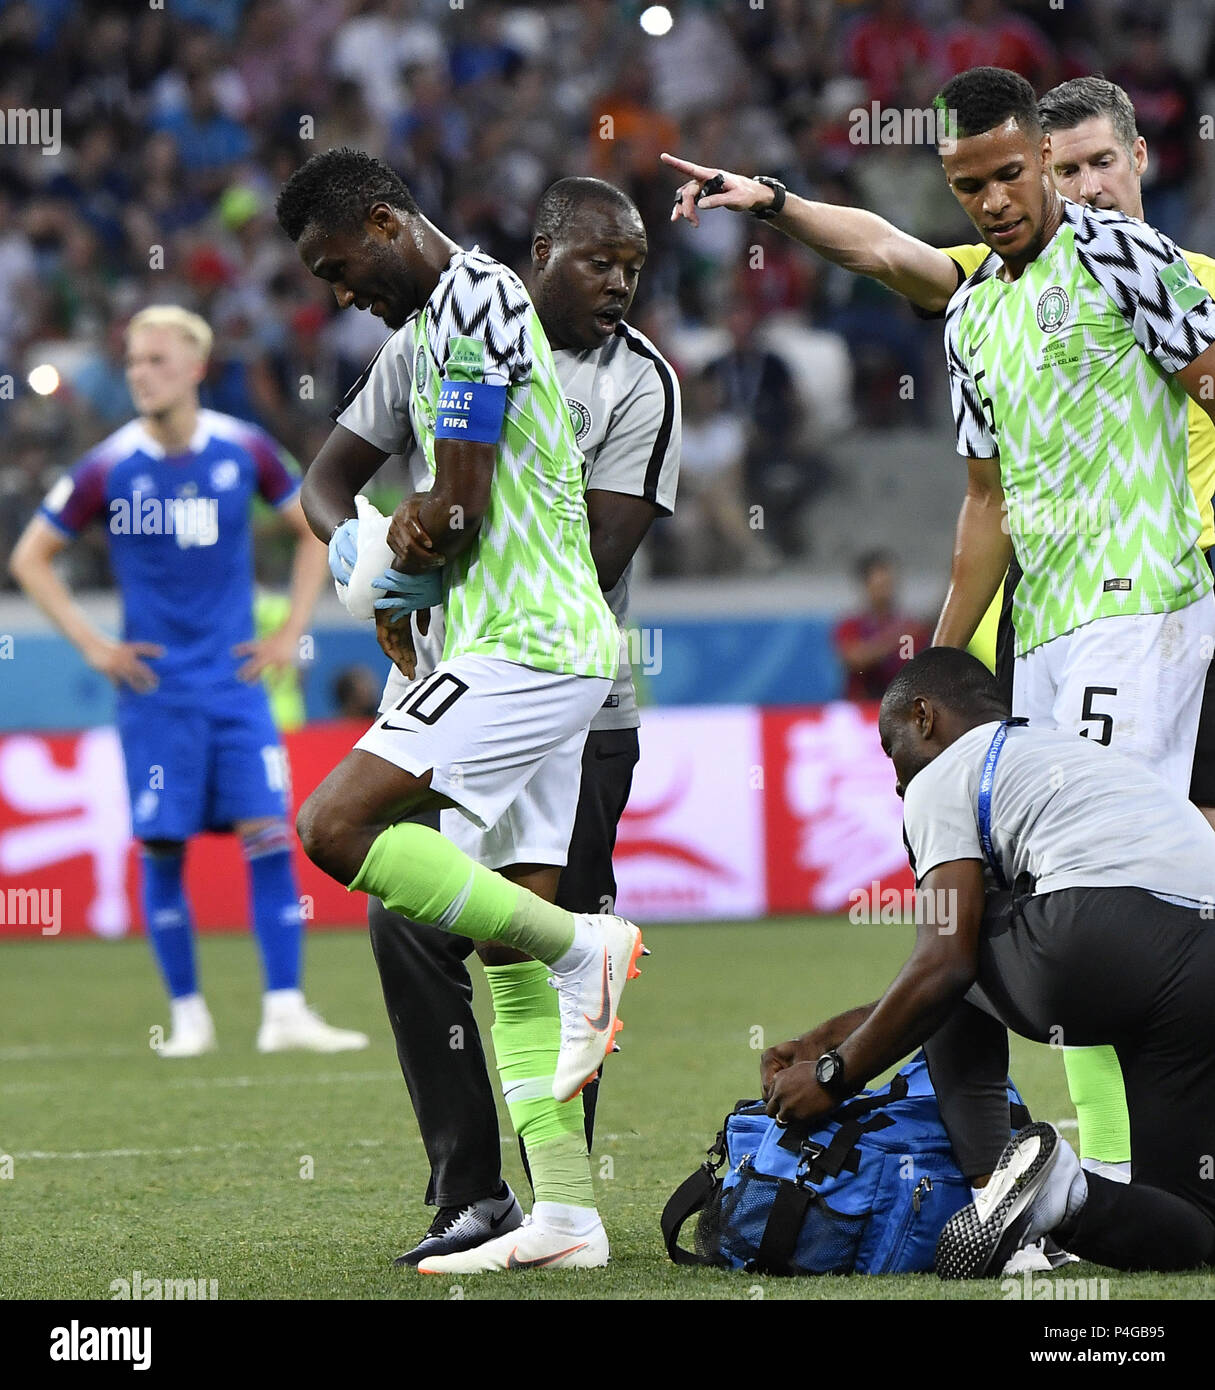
pixel 527 1037
pixel 1094 1078
pixel 416 872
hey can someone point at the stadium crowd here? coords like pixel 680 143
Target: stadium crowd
pixel 183 122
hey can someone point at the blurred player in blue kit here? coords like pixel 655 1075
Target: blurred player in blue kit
pixel 174 488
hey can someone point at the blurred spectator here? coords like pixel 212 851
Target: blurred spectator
pixel 987 35
pixel 356 693
pixel 18 270
pixel 376 43
pixel 95 187
pixel 166 202
pixel 280 52
pixel 695 66
pixel 757 388
pixel 209 141
pixel 718 528
pixel 1166 112
pixel 100 384
pixel 873 644
pixel 893 55
pixel 486 55
pixel 348 120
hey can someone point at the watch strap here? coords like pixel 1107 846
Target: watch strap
pixel 766 214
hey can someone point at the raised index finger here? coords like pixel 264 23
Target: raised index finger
pixel 685 166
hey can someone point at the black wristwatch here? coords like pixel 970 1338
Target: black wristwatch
pixel 778 198
pixel 829 1072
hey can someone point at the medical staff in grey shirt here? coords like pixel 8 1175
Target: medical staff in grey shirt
pixel 1067 893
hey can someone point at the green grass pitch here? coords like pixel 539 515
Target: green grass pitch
pixel 301 1176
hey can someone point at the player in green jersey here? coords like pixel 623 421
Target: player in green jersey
pixel 501 539
pixel 1096 157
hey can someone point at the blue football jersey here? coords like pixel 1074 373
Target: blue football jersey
pixel 181 538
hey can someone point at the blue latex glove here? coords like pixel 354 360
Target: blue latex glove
pixel 344 550
pixel 409 592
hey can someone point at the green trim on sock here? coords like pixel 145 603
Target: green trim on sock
pixel 1094 1080
pixel 416 872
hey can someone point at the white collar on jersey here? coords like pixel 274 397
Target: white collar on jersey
pixel 198 440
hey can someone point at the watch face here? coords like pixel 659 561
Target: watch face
pixel 826 1070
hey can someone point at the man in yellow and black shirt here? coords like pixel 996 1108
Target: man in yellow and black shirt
pixel 1096 157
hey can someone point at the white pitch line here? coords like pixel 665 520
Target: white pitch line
pixel 182 1151
pixel 149 1083
pixel 31 1155
pixel 50 1052
pixel 334 1078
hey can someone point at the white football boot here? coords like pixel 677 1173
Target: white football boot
pixel 589 979
pixel 192 1031
pixel 289 1025
pixel 542 1242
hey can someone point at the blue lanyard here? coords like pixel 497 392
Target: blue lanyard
pixel 986 782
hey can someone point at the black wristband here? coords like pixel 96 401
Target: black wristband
pixel 773 209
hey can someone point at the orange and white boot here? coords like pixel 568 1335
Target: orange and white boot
pixel 590 978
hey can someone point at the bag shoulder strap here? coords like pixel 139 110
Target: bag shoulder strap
pixel 695 1193
pixel 691 1196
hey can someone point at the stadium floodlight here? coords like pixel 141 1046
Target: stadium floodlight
pixel 656 20
pixel 44 379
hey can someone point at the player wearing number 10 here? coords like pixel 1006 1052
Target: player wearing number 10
pixel 500 537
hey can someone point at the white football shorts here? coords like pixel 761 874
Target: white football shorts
pixel 1133 682
pixel 504 743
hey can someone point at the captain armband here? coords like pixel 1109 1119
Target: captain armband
pixel 470 410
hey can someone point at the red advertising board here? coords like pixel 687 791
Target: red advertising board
pixel 834 824
pixel 736 812
pixel 66 858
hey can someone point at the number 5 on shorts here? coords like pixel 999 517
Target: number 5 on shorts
pixel 1089 713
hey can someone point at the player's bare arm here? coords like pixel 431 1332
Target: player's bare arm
pixel 430 527
pixel 982 552
pixel 810 1046
pixel 344 464
pixel 939 971
pixel 858 240
pixel 618 523
pixel 1199 380
pixel 32 566
pixel 309 572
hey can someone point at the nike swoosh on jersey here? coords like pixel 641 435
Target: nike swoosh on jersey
pixel 600 1022
pixel 512 1263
